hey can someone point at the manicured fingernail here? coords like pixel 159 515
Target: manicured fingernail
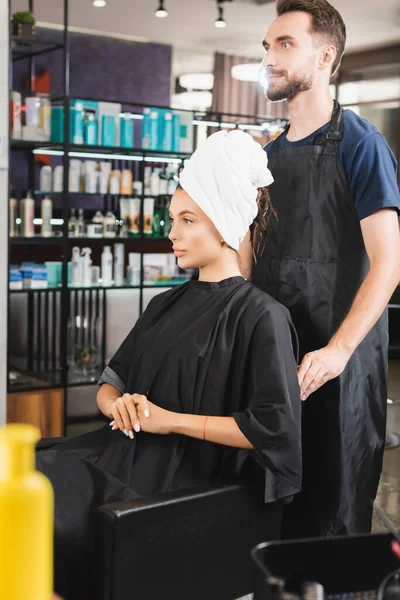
pixel 114 427
pixel 125 432
pixel 131 435
pixel 136 428
pixel 146 413
pixel 112 423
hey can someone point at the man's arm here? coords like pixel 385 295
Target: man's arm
pixel 382 242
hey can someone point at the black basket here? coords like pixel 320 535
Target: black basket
pixel 343 565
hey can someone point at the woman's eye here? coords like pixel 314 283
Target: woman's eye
pixel 187 221
pixel 171 219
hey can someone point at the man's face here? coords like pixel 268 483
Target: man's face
pixel 291 56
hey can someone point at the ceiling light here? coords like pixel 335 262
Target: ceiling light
pixel 192 100
pixel 220 22
pixel 99 3
pixel 247 72
pixel 161 11
pixel 197 81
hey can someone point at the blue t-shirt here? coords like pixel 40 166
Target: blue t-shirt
pixel 367 161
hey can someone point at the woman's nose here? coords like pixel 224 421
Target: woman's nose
pixel 173 234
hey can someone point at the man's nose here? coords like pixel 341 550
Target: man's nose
pixel 269 60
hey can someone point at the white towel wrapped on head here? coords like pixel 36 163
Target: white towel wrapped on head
pixel 223 177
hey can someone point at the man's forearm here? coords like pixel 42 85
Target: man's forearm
pixel 369 304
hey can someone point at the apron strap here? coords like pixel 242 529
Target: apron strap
pixel 335 133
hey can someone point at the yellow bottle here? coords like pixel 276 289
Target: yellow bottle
pixel 26 518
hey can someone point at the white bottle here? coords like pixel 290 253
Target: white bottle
pixel 86 266
pixel 110 225
pixel 155 183
pixel 58 182
pixel 77 270
pixel 46 179
pixel 47 215
pixel 115 182
pixel 27 214
pixel 106 266
pixel 147 177
pixel 119 264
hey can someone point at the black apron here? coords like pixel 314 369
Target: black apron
pixel 314 263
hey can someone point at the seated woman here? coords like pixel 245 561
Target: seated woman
pixel 206 377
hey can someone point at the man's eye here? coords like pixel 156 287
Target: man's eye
pixel 285 45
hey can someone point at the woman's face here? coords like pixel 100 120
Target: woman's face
pixel 196 242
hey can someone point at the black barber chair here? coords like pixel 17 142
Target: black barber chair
pixel 348 567
pixel 191 544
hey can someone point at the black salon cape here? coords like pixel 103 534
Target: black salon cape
pixel 215 349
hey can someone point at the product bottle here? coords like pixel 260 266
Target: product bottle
pixel 86 266
pixel 119 264
pixel 26 518
pixel 106 266
pixel 110 225
pixel 80 226
pixel 147 176
pixel 47 214
pixel 27 210
pixel 72 224
pixel 126 182
pixel 158 219
pixel 155 183
pixel 167 220
pixel 46 179
pixel 13 217
pixel 77 267
pixel 115 182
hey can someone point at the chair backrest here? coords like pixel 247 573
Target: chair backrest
pixel 193 544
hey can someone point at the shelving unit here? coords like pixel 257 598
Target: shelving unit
pixel 48 360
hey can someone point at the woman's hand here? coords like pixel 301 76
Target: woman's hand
pixel 124 415
pixel 134 411
pixel 153 418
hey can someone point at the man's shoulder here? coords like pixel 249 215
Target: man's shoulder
pixel 356 129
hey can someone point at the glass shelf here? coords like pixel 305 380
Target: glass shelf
pixel 36 239
pixel 76 288
pixel 28 47
pixel 58 150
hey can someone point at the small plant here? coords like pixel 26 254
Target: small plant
pixel 23 18
pixel 23 24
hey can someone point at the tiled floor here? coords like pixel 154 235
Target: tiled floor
pixel 389 490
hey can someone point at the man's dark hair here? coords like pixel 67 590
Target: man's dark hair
pixel 326 22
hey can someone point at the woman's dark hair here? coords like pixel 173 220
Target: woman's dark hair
pixel 326 22
pixel 258 230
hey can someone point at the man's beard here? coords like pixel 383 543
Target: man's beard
pixel 291 89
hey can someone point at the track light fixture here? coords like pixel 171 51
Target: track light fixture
pixel 220 22
pixel 99 3
pixel 161 11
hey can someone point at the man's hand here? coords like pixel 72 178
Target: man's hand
pixel 321 366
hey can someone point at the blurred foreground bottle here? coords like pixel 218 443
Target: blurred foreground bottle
pixel 26 518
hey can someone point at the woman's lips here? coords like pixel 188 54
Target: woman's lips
pixel 178 252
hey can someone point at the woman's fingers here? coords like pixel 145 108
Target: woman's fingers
pixel 131 407
pixel 142 406
pixel 117 422
pixel 124 415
